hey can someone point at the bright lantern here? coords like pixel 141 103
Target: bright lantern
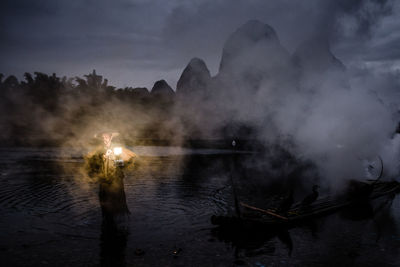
pixel 117 151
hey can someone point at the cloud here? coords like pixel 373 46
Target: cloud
pixel 64 36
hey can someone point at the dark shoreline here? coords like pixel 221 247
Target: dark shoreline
pixel 241 144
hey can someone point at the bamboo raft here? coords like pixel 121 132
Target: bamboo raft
pixel 255 216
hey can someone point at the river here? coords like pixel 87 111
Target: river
pixel 50 215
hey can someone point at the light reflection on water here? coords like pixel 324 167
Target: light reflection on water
pixel 50 215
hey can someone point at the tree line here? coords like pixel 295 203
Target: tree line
pixel 47 109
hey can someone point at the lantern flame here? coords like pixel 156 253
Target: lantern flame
pixel 117 151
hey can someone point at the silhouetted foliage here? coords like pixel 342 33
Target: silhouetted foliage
pixel 50 109
pixel 47 109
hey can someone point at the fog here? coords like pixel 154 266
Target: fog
pixel 137 42
pixel 280 83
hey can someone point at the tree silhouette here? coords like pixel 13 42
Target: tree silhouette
pixel 53 108
pixel 11 82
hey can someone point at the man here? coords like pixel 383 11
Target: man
pixel 100 164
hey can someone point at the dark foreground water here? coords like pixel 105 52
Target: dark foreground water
pixel 50 216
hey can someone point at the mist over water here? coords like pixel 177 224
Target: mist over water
pixel 276 99
pixel 50 218
pixel 306 102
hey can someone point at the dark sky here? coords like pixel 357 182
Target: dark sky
pixel 136 42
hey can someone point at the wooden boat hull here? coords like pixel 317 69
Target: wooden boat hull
pixel 254 217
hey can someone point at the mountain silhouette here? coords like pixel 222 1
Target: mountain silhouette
pixel 253 53
pixel 194 79
pixel 162 88
pixel 316 65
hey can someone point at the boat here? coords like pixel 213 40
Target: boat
pixel 254 217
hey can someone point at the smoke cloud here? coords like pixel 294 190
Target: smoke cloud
pixel 314 82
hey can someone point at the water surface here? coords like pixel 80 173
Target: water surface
pixel 50 215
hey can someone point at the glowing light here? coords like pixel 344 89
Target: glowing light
pixel 117 151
